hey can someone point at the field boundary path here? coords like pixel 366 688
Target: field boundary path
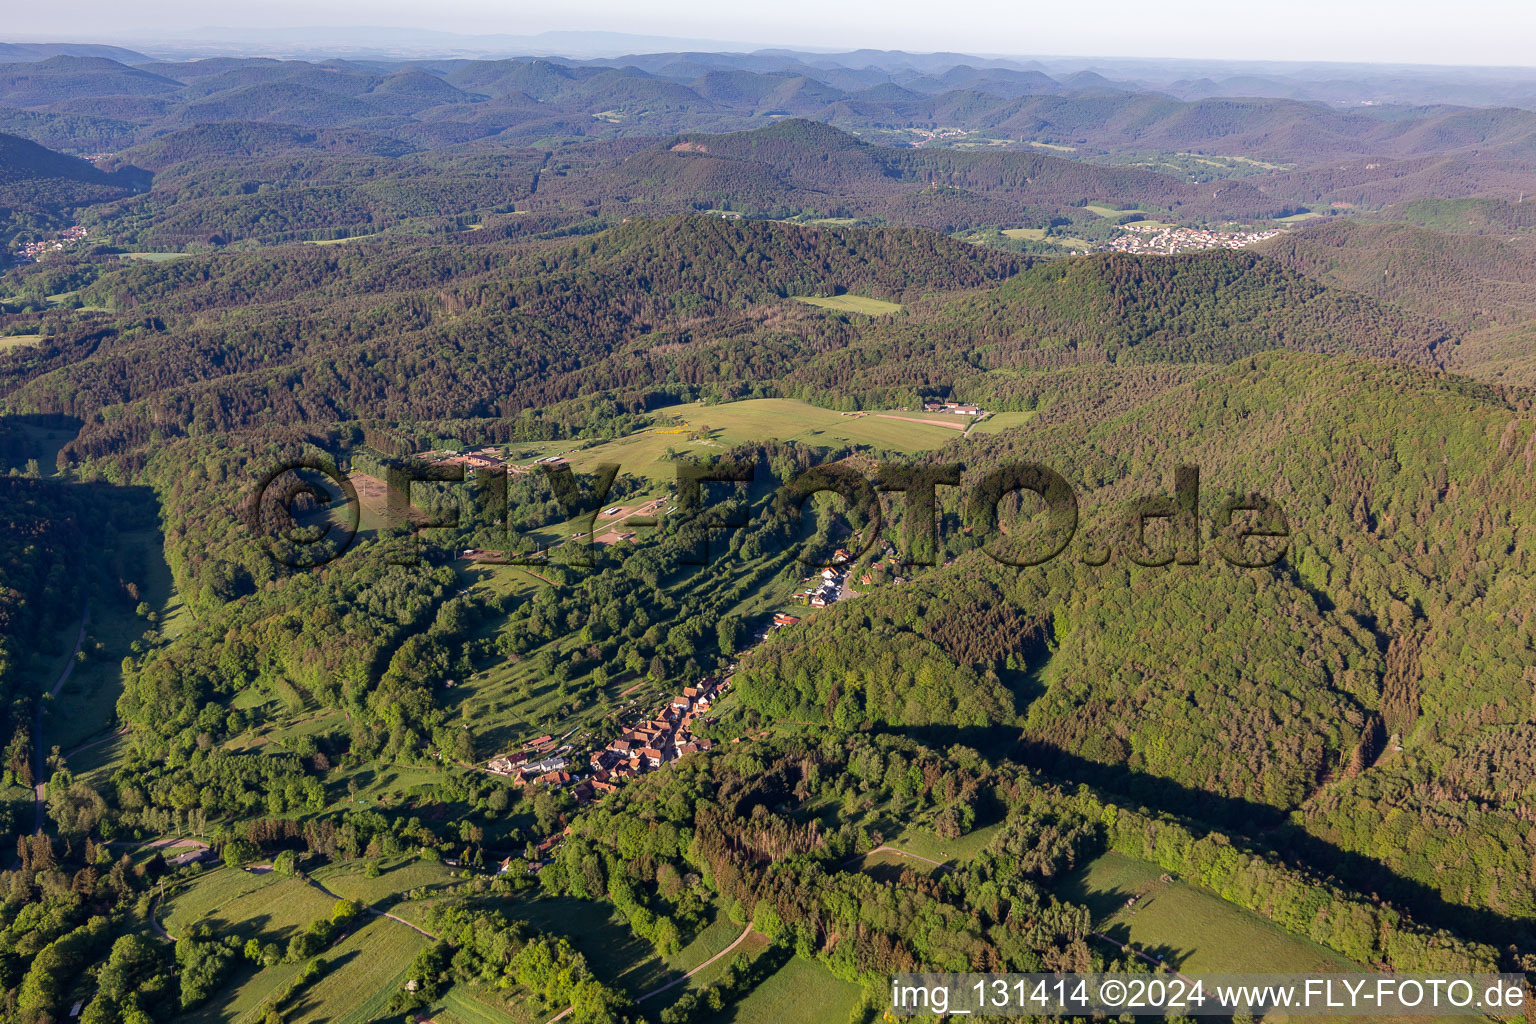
pixel 1125 947
pixel 900 853
pixel 376 912
pixel 674 982
pixel 678 981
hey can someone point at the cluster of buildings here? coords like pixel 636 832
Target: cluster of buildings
pixel 956 408
pixel 642 748
pixel 1148 238
pixel 538 763
pixel 486 458
pixel 826 586
pixel 665 737
pixel 34 251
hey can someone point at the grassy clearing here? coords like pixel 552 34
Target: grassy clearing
pixel 267 905
pixel 362 973
pixel 650 974
pixel 334 241
pixel 925 844
pixel 1053 146
pixel 998 422
pixel 397 875
pixel 241 1001
pixel 1297 218
pixel 1229 161
pixel 16 341
pixel 1193 928
pixel 851 304
pixel 594 929
pixel 1038 235
pixel 800 992
pixel 760 419
pixel 86 708
pixel 155 257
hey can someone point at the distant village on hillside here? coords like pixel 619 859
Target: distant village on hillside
pixel 665 737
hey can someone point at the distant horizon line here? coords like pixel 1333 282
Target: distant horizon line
pixel 222 41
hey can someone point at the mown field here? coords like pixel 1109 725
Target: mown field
pixel 362 973
pixel 10 341
pixel 349 880
pixel 1038 235
pixel 998 422
pixel 1192 928
pixel 851 304
pixel 762 419
pixel 269 906
pixel 800 992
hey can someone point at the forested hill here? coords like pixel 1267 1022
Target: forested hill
pixel 1477 278
pixel 331 335
pixel 798 166
pixel 334 331
pixel 1353 685
pixel 36 179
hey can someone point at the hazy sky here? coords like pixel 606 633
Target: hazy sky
pixel 1419 31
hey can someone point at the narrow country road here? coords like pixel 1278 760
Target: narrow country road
pixel 676 981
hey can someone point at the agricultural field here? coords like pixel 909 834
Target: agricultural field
pixel 760 419
pixel 397 875
pixel 362 974
pixel 463 1004
pixel 1193 928
pixel 18 341
pixel 1039 235
pixel 243 999
pixel 252 904
pixel 800 992
pixel 998 422
pixel 154 257
pixel 851 304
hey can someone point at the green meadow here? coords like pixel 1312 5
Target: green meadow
pixel 714 428
pixel 800 992
pixel 998 422
pixel 851 304
pixel 1193 928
